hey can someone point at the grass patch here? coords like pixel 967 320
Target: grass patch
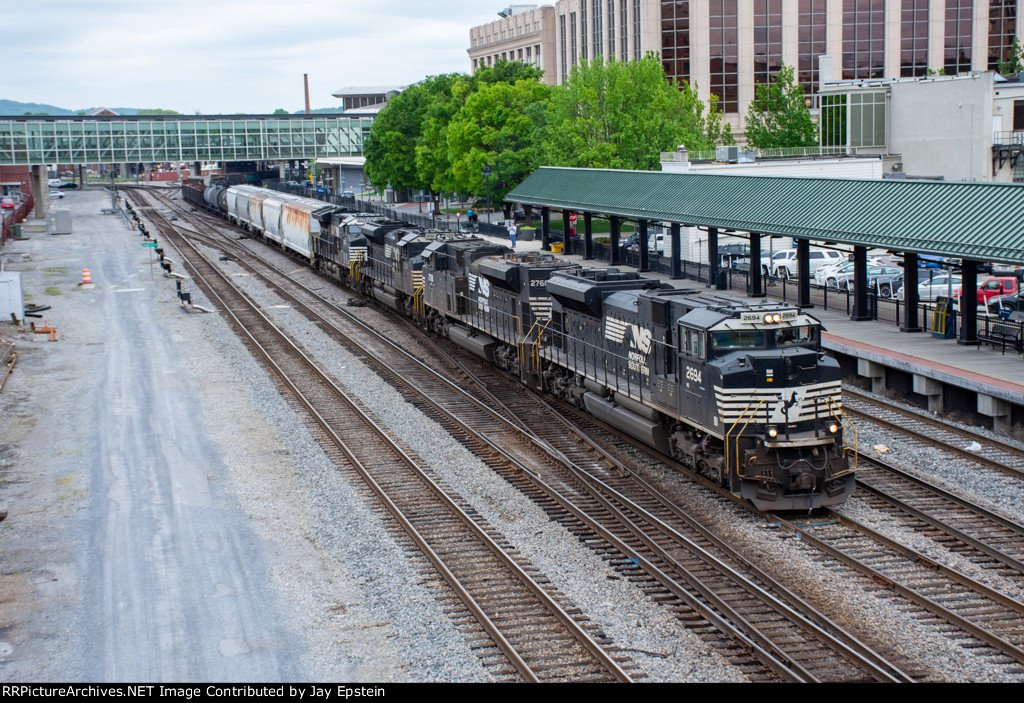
pixel 51 271
pixel 53 290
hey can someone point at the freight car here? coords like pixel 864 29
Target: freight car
pixel 737 390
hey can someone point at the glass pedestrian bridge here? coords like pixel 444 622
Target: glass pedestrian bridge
pixel 79 140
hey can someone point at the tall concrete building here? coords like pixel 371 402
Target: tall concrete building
pixel 726 47
pixel 524 33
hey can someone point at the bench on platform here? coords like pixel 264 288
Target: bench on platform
pixel 1001 334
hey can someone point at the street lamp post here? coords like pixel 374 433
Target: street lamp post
pixel 487 177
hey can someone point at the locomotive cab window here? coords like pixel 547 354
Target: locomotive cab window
pixel 692 343
pixel 802 336
pixel 738 339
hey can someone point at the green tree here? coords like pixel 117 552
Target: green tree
pixel 1014 62
pixel 280 111
pixel 447 98
pixel 390 147
pixel 778 116
pixel 499 126
pixel 158 111
pixel 623 115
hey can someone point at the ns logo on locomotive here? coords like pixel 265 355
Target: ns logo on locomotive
pixel 737 390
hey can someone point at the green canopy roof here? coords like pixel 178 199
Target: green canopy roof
pixel 980 221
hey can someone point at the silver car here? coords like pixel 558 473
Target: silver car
pixel 939 284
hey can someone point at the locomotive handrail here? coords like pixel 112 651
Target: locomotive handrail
pixel 728 462
pixel 417 301
pixel 843 420
pixel 353 269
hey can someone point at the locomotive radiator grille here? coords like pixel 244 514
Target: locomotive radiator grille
pixel 357 254
pixel 796 404
pixel 417 279
pixel 541 307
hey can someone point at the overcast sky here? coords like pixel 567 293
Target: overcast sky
pixel 226 56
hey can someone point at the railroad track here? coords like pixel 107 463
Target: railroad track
pixel 538 638
pixel 800 647
pixel 992 618
pixel 990 540
pixel 920 429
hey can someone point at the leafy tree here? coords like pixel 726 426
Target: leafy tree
pixel 391 145
pixel 499 126
pixel 623 115
pixel 448 95
pixel 778 116
pixel 1014 63
pixel 157 111
pixel 280 111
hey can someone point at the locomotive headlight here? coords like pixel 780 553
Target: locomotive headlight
pixel 767 319
pixel 772 432
pixel 776 318
pixel 833 428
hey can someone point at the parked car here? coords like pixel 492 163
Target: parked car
pixel 1005 305
pixel 885 279
pixel 935 286
pixel 833 274
pixel 999 286
pixel 71 185
pixel 656 243
pixel 630 242
pixel 56 194
pixel 770 262
pixel 786 267
pixel 56 183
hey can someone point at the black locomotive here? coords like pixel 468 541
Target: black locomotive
pixel 737 390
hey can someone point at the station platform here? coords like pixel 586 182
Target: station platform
pixel 948 375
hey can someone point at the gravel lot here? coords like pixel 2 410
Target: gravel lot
pixel 170 518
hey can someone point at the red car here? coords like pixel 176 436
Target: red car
pixel 1000 285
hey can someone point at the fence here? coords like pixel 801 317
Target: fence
pixel 12 217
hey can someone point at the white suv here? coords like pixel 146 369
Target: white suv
pixel 785 267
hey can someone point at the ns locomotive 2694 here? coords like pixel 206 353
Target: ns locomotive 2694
pixel 737 390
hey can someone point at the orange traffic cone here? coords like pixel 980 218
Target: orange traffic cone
pixel 86 279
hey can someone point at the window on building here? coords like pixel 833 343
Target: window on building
pixel 636 30
pixel 1002 28
pixel 811 37
pixel 583 31
pixel 914 38
pixel 832 122
pixel 624 29
pixel 863 38
pixel 867 119
pixel 724 35
pixel 675 40
pixel 529 54
pixel 959 28
pixel 767 40
pixel 598 24
pixel 561 33
pixel 572 46
pixel 611 29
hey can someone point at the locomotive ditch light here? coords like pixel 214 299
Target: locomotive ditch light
pixel 833 428
pixel 772 432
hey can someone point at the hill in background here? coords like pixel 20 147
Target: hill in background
pixel 13 108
